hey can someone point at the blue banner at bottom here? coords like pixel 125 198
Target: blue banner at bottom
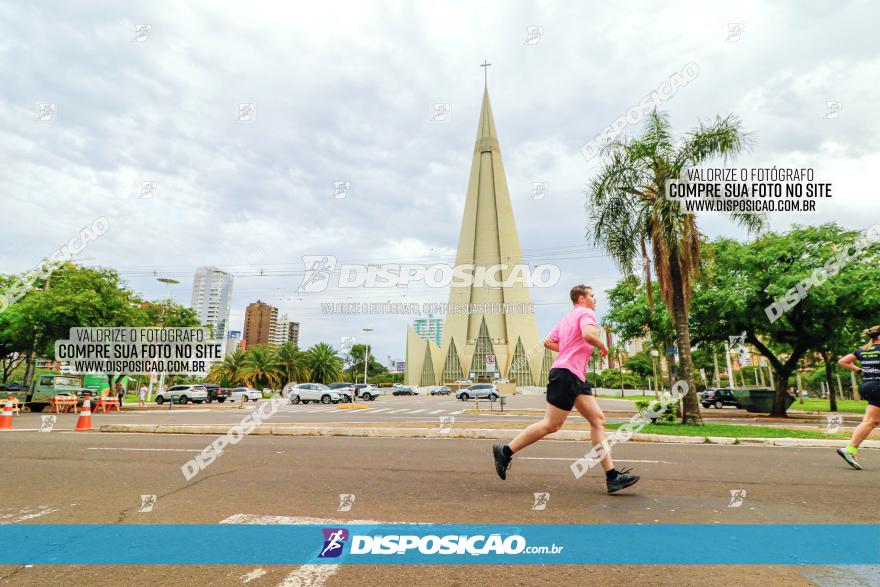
pixel 432 544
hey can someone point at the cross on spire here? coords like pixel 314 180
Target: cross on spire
pixel 485 65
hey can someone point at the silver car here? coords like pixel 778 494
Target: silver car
pixel 313 392
pixel 182 394
pixel 238 394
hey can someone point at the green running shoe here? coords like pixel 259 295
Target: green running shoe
pixel 849 458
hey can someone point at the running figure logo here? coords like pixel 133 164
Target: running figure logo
pixel 317 273
pixel 334 540
pixel 346 500
pixel 541 501
pixel 446 423
pixel 147 503
pixel 47 423
pixel 736 498
pixel 834 423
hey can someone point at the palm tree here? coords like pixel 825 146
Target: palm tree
pixel 260 368
pixel 628 203
pixel 323 363
pixel 228 372
pixel 290 363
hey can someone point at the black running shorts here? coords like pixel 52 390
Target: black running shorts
pixel 870 391
pixel 564 387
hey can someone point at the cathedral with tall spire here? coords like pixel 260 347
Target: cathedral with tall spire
pixel 488 238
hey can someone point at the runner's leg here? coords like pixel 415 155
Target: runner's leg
pixel 870 421
pixel 589 409
pixel 553 420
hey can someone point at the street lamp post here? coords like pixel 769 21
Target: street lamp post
pixel 366 356
pixel 169 282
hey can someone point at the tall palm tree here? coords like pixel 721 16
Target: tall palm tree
pixel 627 203
pixel 290 363
pixel 323 363
pixel 260 368
pixel 228 372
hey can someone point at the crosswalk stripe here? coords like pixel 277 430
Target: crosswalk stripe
pixel 396 411
pixel 416 411
pixel 436 412
pixel 458 412
pixel 380 410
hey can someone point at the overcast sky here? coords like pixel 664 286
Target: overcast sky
pixel 343 92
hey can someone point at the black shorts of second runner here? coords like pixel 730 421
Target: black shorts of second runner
pixel 870 391
pixel 564 387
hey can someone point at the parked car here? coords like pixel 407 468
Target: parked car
pixel 346 390
pixel 718 398
pixel 479 390
pixel 440 390
pixel 215 392
pixel 313 392
pixel 238 394
pixel 463 382
pixel 366 391
pixel 182 394
pixel 403 390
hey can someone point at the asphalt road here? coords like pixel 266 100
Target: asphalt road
pixel 66 477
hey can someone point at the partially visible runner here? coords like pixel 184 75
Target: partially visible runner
pixel 573 338
pixel 869 357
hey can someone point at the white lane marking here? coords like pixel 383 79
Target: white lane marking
pixel 397 411
pixel 436 412
pixel 25 514
pixel 146 449
pixel 255 574
pixel 417 411
pixel 380 410
pixel 305 575
pixel 458 412
pixel 576 458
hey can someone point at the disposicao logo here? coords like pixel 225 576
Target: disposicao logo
pixel 334 540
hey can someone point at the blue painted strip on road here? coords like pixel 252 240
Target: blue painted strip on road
pixel 182 544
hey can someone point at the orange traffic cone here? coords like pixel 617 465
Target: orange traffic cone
pixel 85 417
pixel 6 416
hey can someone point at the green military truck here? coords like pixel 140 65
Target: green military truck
pixel 46 386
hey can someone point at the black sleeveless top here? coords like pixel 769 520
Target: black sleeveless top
pixel 870 362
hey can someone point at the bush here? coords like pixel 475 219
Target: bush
pixel 670 414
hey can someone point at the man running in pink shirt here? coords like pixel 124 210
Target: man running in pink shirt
pixel 573 338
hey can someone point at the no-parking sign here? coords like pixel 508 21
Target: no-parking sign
pixel 490 363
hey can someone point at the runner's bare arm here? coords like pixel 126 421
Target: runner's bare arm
pixel 847 363
pixel 553 345
pixel 593 336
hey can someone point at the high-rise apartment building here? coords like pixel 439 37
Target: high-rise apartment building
pixel 260 324
pixel 211 299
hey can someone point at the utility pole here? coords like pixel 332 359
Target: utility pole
pixel 366 356
pixel 730 377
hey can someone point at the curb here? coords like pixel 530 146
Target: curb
pixel 475 433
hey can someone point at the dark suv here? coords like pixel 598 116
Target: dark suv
pixel 215 392
pixel 718 398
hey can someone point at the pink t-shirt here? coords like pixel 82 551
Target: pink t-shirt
pixel 574 352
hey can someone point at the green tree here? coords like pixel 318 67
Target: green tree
pixel 742 281
pixel 290 363
pixel 260 368
pixel 355 361
pixel 228 372
pixel 628 205
pixel 324 364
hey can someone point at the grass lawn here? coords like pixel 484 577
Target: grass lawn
pixel 822 405
pixel 732 430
